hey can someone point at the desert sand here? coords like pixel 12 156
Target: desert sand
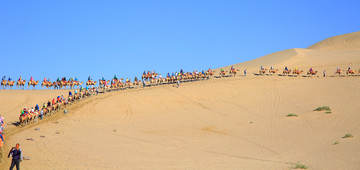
pixel 223 123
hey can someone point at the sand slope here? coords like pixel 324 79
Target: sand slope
pixel 206 125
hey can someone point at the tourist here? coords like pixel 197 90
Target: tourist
pixel 16 154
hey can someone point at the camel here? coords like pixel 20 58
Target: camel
pixel 297 72
pixel 60 84
pixel 312 73
pixel 273 71
pixel 47 84
pixel 23 119
pixel 211 73
pixel 338 71
pixel 20 83
pixel 149 75
pixel 77 83
pixel 91 82
pixel 32 83
pixel 103 83
pixel 3 83
pixel 263 71
pixel 233 72
pixel 286 71
pixel 128 83
pixel 350 71
pixel 11 83
pixel 222 73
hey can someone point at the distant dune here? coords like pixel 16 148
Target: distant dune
pixel 343 42
pixel 339 51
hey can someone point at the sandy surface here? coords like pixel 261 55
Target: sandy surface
pixel 225 123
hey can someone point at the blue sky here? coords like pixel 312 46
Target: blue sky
pixel 88 37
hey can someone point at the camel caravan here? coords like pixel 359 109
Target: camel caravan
pixel 310 72
pixel 33 114
pixel 152 78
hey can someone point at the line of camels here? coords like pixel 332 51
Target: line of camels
pixel 154 79
pixel 309 72
pixel 29 116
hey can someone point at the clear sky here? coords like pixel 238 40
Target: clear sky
pixel 91 37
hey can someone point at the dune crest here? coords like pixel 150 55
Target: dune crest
pixel 343 42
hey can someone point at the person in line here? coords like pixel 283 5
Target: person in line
pixel 37 107
pixel 16 154
pixel 324 73
pixel 245 71
pixel 178 84
pixel 41 114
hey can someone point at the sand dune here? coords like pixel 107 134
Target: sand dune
pixel 339 51
pixel 343 42
pixel 228 123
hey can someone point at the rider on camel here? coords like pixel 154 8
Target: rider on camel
pixel 53 101
pixel 76 79
pixel 89 78
pixel 311 70
pixel 261 68
pixel 20 79
pixel 286 68
pixel 31 79
pixel 9 78
pixel 103 78
pixel 115 78
pixel 271 68
pixel 232 67
pixel 3 78
pixel 44 79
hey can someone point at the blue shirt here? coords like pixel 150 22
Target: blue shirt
pixel 16 154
